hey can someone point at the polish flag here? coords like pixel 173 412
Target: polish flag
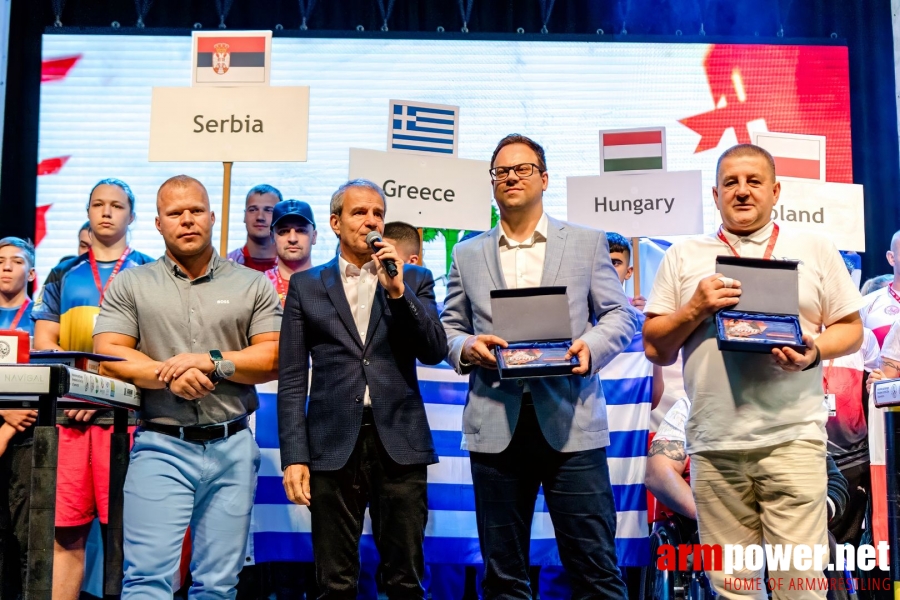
pixel 796 156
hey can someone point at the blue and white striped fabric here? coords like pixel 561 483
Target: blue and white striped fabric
pixel 281 530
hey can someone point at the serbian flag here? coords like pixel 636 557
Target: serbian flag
pixel 232 59
pixel 634 150
pixel 796 156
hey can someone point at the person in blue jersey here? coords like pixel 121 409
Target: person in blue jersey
pixel 16 272
pixel 64 314
pixel 16 433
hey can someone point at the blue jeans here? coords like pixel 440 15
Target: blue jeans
pixel 173 484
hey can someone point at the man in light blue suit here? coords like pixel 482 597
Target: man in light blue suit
pixel 549 431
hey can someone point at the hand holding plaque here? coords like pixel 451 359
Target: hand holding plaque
pixel 759 309
pixel 712 295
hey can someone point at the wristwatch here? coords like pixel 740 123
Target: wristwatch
pixel 216 357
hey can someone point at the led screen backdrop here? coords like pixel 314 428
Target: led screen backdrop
pixel 95 111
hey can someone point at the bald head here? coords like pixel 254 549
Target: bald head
pixel 895 241
pixel 180 183
pixel 183 216
pixel 893 255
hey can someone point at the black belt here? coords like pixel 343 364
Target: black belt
pixel 527 400
pixel 199 433
pixel 368 417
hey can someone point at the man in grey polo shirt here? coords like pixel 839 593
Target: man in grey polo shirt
pixel 178 323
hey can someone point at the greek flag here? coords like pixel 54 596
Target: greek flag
pixel 425 128
pixel 281 531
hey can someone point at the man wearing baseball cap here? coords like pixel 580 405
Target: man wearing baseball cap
pixel 294 231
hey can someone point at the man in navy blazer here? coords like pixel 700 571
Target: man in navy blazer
pixel 363 437
pixel 549 431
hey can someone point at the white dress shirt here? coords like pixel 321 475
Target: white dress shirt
pixel 359 287
pixel 523 262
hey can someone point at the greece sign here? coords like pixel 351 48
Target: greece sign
pixel 429 191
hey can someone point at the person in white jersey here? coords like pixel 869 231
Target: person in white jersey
pixel 882 307
pixel 756 432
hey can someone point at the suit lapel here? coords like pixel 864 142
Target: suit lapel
pixel 556 244
pixel 491 248
pixel 331 277
pixel 377 311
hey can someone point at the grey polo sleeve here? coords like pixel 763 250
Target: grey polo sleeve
pixel 118 313
pixel 267 309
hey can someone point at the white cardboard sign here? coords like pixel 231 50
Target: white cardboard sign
pixel 639 205
pixel 429 191
pixel 831 209
pixel 218 124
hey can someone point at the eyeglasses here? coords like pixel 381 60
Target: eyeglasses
pixel 522 170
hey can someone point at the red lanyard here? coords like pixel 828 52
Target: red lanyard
pixel 893 293
pixel 772 239
pixel 19 314
pixel 281 287
pixel 102 288
pixel 828 374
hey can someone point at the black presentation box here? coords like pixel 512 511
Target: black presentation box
pixel 767 315
pixel 535 323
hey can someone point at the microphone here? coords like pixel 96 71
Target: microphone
pixel 224 370
pixel 389 264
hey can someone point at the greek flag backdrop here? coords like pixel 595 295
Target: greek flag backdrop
pixel 281 530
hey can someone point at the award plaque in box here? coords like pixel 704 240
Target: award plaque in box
pixel 767 315
pixel 535 323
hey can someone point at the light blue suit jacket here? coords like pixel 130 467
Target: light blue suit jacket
pixel 571 409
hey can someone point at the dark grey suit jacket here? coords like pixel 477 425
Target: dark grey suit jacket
pixel 318 325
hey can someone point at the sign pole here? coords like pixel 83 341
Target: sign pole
pixel 226 206
pixel 636 261
pixel 421 246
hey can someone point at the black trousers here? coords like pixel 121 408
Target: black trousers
pixel 397 496
pixel 15 490
pixel 579 499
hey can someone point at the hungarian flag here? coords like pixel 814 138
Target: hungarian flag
pixel 229 59
pixel 797 156
pixel 633 150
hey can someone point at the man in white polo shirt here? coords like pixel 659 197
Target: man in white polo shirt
pixel 756 432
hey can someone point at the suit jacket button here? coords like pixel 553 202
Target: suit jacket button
pixel 520 382
pixel 366 361
pixel 359 398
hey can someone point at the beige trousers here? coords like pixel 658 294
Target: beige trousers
pixel 772 495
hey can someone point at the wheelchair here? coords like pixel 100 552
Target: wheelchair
pixel 674 585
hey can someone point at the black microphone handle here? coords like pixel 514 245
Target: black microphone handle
pixel 390 266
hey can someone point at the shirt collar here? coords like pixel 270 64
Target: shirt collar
pixel 539 235
pixel 214 263
pixel 760 236
pixel 348 269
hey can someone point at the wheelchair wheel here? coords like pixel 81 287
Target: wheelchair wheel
pixel 656 584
